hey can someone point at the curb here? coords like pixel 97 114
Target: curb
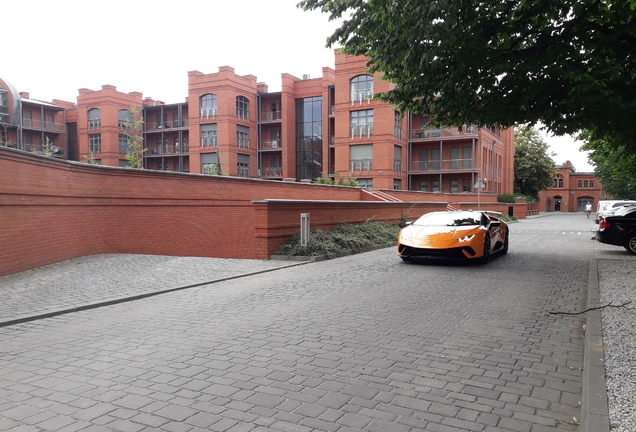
pixel 594 406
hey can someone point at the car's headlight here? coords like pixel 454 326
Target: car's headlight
pixel 405 235
pixel 466 238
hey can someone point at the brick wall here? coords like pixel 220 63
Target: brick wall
pixel 53 210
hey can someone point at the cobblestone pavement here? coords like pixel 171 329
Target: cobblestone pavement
pixel 359 343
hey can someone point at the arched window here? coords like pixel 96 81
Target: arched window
pixel 560 182
pixel 242 108
pixel 94 118
pixel 585 183
pixel 208 105
pixel 361 89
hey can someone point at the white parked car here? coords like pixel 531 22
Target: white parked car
pixel 607 208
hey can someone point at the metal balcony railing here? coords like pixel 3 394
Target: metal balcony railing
pixel 427 133
pixel 273 172
pixel 160 126
pixel 360 130
pixel 243 171
pixel 397 166
pixel 271 115
pixel 94 124
pixel 443 165
pixel 210 141
pixel 207 112
pixel 243 142
pixel 272 144
pixel 167 149
pixel 362 165
pixel 361 96
pixel 42 125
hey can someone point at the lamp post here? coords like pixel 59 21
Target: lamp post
pixel 572 201
pixel 479 185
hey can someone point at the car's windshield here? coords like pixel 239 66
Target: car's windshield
pixel 450 219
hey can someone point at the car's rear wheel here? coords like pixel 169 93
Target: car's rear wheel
pixel 486 257
pixel 630 244
pixel 505 246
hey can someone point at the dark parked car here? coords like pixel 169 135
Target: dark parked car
pixel 619 229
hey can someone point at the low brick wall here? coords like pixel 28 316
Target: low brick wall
pixel 53 210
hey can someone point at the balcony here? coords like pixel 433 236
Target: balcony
pixel 360 130
pixel 272 144
pixel 271 116
pixel 443 133
pixel 167 149
pixel 361 165
pixel 161 126
pixel 42 125
pixel 442 165
pixel 359 96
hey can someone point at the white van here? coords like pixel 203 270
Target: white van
pixel 605 208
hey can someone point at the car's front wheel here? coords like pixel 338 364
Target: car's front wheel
pixel 630 244
pixel 486 256
pixel 506 240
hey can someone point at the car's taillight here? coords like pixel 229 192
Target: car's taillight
pixel 604 224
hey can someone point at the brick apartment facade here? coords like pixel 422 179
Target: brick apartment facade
pixel 231 124
pixel 571 191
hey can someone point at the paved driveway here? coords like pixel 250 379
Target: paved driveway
pixel 360 343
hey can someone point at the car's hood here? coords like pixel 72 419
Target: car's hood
pixel 441 231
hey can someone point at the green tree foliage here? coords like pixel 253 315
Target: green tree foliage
pixel 614 164
pixel 569 64
pixel 534 166
pixel 133 128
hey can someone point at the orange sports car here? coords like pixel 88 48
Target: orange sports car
pixel 454 235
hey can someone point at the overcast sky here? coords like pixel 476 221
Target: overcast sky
pixel 54 48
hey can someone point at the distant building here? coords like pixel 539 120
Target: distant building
pixel 231 124
pixel 571 191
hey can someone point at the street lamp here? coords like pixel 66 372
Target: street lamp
pixel 479 185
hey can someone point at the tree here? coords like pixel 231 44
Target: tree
pixel 534 166
pixel 133 127
pixel 569 64
pixel 614 165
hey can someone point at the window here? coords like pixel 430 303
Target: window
pixel 4 105
pixel 208 105
pixel 397 126
pixel 454 186
pixel 435 186
pixel 467 158
pixel 436 160
pixel 50 121
pixel 424 186
pixel 423 163
pixel 555 182
pixel 210 164
pixel 123 144
pixel 361 89
pixel 365 183
pixel 95 143
pixel 242 136
pixel 397 184
pixel 454 155
pixel 161 121
pixel 361 157
pixel 465 185
pixel 580 183
pixel 209 135
pixel 309 163
pixel 162 146
pixel 585 184
pixel 591 183
pixel 28 118
pixel 94 118
pixel 361 123
pixel 124 164
pixel 243 165
pixel 242 108
pixel 397 159
pixel 560 182
pixel 125 119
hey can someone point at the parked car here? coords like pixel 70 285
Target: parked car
pixel 608 207
pixel 619 229
pixel 454 235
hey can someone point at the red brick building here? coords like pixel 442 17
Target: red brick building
pixel 571 191
pixel 231 124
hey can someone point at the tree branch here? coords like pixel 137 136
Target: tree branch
pixel 592 308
